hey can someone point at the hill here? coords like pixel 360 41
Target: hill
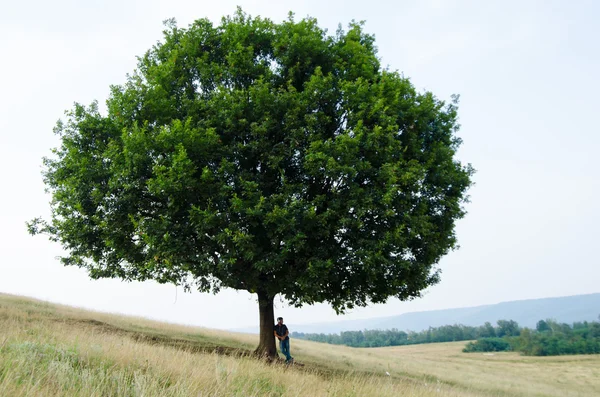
pixel 53 350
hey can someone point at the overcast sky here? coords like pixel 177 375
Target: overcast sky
pixel 527 74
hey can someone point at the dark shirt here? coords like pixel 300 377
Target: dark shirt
pixel 281 330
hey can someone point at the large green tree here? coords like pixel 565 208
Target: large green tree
pixel 267 157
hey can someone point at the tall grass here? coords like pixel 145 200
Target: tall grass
pixel 52 350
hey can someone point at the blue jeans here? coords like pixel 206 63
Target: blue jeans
pixel 284 346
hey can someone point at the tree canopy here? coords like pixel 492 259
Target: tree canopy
pixel 268 157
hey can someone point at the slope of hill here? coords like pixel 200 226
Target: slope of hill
pixel 52 350
pixel 527 313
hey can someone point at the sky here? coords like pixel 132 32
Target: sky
pixel 527 75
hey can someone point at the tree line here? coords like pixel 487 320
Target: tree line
pixel 395 337
pixel 549 337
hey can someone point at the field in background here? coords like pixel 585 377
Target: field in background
pixel 48 350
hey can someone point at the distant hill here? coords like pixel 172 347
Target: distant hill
pixel 527 313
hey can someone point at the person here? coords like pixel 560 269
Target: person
pixel 281 332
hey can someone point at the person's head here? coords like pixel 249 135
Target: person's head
pixel 279 320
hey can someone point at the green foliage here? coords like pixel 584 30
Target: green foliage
pixel 554 338
pixel 558 339
pixel 542 326
pixel 394 337
pixel 487 345
pixel 507 328
pixel 266 157
pixel 549 339
pixel 487 330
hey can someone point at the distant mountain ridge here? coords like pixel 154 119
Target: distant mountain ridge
pixel 527 313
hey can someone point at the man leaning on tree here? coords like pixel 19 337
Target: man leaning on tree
pixel 281 332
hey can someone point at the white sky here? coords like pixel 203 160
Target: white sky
pixel 527 73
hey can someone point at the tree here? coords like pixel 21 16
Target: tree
pixel 507 328
pixel 487 330
pixel 271 158
pixel 542 326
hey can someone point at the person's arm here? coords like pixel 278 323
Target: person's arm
pixel 277 336
pixel 287 332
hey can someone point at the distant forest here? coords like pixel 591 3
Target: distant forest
pixel 549 337
pixel 394 337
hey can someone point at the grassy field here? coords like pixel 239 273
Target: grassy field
pixel 53 350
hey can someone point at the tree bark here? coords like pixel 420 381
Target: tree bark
pixel 266 346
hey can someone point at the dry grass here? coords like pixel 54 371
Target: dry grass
pixel 48 350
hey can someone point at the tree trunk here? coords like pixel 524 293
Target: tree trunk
pixel 266 346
